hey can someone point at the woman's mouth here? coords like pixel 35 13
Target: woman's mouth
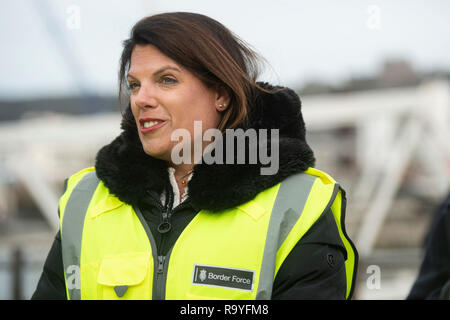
pixel 148 125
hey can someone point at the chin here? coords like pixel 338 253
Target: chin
pixel 158 153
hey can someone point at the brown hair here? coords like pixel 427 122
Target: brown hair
pixel 207 49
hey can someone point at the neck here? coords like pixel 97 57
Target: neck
pixel 181 174
pixel 182 170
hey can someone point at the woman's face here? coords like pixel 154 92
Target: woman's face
pixel 165 97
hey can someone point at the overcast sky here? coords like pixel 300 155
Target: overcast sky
pixel 61 47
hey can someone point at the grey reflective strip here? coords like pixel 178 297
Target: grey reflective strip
pixel 72 230
pixel 287 209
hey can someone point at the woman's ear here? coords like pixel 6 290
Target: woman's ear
pixel 222 99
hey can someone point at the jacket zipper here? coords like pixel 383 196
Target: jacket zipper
pixel 161 262
pixel 160 284
pixel 165 225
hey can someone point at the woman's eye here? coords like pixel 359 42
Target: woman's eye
pixel 168 80
pixel 133 85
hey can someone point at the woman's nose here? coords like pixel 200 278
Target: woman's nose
pixel 145 98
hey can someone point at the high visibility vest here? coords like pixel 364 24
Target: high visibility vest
pixel 109 252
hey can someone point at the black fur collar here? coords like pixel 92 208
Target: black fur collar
pixel 128 172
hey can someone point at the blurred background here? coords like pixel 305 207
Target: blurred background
pixel 373 76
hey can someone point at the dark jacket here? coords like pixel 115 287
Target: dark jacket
pixel 433 281
pixel 315 267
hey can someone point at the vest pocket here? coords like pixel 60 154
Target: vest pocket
pixel 126 276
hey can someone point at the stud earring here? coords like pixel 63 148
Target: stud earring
pixel 222 106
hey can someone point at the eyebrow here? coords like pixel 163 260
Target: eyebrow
pixel 158 71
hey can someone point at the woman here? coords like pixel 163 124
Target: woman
pixel 141 225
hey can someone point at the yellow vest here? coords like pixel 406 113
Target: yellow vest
pixel 109 252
